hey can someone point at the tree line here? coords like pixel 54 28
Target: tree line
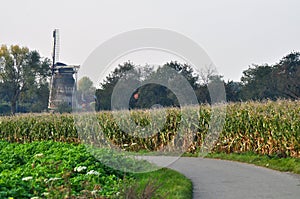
pixel 25 75
pixel 258 82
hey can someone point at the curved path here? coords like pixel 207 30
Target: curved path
pixel 214 179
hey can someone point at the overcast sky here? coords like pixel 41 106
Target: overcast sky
pixel 234 33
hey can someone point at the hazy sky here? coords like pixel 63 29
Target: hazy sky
pixel 234 33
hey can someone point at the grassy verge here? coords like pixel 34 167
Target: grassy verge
pixel 171 184
pixel 273 162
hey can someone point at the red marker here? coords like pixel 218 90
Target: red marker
pixel 136 96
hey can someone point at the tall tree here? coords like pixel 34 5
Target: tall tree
pixel 207 73
pixel 152 94
pixel 21 71
pixel 233 91
pixel 258 83
pixel 273 81
pixel 186 71
pixel 103 95
pixel 86 92
pixel 287 74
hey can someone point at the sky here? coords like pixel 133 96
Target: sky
pixel 234 33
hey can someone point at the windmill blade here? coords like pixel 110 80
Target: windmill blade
pixel 56 45
pixel 55 58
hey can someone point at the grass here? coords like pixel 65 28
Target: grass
pixel 172 185
pixel 273 162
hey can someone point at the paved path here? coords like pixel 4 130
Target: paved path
pixel 214 179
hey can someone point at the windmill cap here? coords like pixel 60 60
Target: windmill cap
pixel 60 64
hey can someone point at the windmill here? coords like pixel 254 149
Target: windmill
pixel 63 83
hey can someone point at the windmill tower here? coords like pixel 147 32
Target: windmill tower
pixel 63 79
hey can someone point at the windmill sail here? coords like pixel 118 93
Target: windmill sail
pixel 55 53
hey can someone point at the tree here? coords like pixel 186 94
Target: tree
pixel 287 74
pixel 103 95
pixel 273 81
pixel 258 83
pixel 85 91
pixel 165 86
pixel 85 84
pixel 233 91
pixel 207 73
pixel 22 71
pixel 151 95
pixel 186 71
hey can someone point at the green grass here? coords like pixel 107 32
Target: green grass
pixel 273 162
pixel 173 185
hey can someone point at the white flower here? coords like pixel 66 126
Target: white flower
pixel 27 178
pixel 51 179
pixel 92 172
pixel 45 194
pixel 125 144
pixel 80 168
pixel 35 197
pixel 38 155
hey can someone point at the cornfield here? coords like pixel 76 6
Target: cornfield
pixel 264 128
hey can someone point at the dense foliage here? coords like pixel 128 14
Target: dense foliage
pixel 54 170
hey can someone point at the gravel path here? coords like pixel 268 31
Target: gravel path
pixel 214 179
